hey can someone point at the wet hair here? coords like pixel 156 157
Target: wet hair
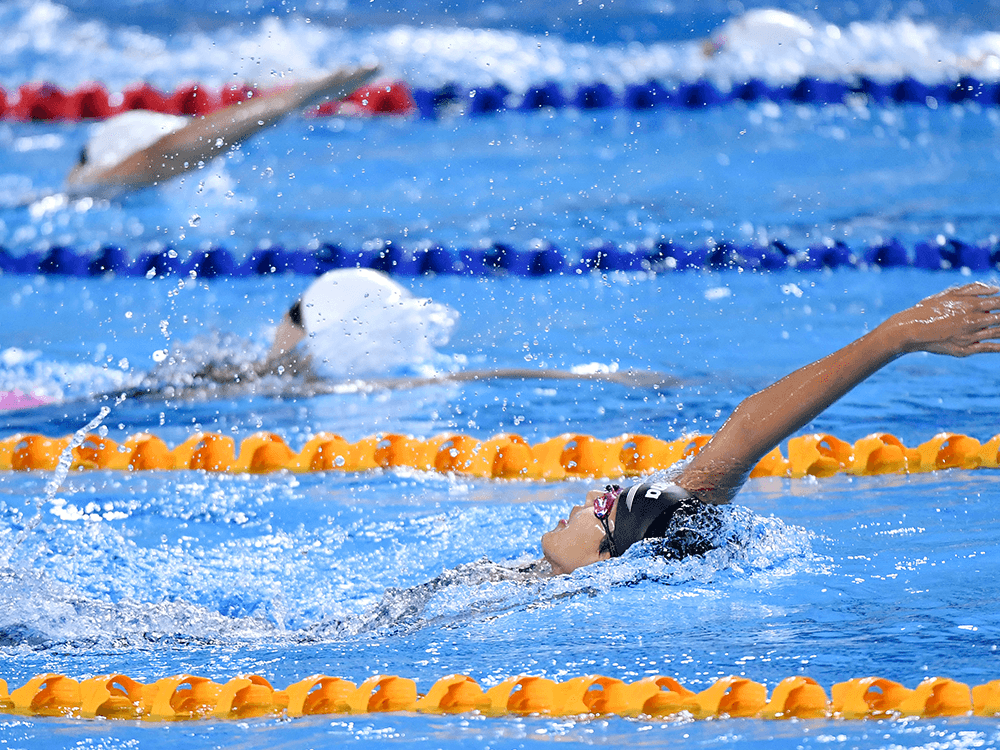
pixel 295 313
pixel 82 160
pixel 695 528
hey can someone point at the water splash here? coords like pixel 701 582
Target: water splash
pixel 38 612
pixel 55 482
pixel 750 548
pixel 66 457
pixel 29 371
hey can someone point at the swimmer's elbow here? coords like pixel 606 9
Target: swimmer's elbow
pixel 724 464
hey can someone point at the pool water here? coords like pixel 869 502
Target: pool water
pixel 409 573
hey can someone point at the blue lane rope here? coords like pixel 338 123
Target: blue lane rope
pixel 702 94
pixel 500 258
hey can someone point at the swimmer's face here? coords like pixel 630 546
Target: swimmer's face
pixel 576 541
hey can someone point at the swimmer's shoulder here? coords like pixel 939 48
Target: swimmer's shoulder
pixel 111 144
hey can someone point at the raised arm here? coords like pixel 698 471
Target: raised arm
pixel 959 321
pixel 206 137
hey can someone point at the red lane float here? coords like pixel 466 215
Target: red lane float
pixel 46 102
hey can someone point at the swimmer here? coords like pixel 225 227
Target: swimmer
pixel 958 322
pixel 759 31
pixel 357 321
pixel 138 149
pixel 352 330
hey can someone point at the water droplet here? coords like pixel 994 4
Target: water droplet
pixel 194 221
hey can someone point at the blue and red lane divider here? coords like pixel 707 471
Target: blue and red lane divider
pixel 499 258
pixel 42 102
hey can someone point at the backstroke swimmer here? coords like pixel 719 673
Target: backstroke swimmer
pixel 958 322
pixel 138 149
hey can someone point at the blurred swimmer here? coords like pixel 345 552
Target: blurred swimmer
pixel 357 321
pixel 758 31
pixel 138 149
pixel 680 513
pixel 354 329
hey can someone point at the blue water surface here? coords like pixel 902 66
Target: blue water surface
pixel 220 575
pixel 402 572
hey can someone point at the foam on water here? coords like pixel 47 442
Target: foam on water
pixel 48 42
pixel 103 572
pixel 37 612
pixel 31 372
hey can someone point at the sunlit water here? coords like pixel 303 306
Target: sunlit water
pixel 416 574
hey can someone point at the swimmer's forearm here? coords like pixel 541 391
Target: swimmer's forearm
pixel 224 128
pixel 766 418
pixel 205 138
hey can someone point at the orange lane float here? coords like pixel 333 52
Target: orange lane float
pixel 504 456
pixel 186 697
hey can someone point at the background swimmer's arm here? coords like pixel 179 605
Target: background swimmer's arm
pixel 958 322
pixel 210 136
pixel 286 338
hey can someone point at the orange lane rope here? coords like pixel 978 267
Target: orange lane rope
pixel 503 456
pixel 184 696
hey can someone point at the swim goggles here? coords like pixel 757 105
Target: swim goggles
pixel 602 509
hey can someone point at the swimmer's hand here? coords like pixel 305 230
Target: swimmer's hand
pixel 341 83
pixel 959 321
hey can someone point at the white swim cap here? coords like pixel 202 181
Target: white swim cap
pixel 763 31
pixel 359 321
pixel 117 138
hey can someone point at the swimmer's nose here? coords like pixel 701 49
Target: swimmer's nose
pixel 576 509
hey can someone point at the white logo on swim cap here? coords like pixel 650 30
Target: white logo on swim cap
pixel 655 490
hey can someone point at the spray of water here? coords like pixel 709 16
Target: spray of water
pixel 58 477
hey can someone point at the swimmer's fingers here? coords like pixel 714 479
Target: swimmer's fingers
pixel 979 334
pixel 988 304
pixel 988 330
pixel 982 297
pixel 975 289
pixel 950 321
pixel 975 297
pixel 986 320
pixel 980 347
pixel 980 287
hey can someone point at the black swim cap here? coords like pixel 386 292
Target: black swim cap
pixel 644 512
